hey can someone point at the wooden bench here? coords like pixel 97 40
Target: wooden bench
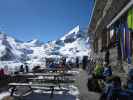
pixel 36 86
pixel 55 81
pixel 51 70
pixel 54 69
pixel 55 75
pixel 47 89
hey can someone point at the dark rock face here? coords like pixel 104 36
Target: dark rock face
pixel 60 42
pixel 8 55
pixel 26 51
pixel 4 41
pixel 69 40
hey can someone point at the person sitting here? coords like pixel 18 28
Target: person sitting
pixel 111 91
pixel 93 85
pixel 130 80
pixel 98 71
pixel 114 91
pixel 129 84
pixel 107 71
pixel 51 65
pixel 97 75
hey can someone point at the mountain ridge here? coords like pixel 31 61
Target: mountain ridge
pixel 73 44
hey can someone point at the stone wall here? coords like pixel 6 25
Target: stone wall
pixel 116 65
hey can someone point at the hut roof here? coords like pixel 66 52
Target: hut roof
pixel 104 11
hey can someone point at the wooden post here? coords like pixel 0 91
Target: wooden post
pixel 52 91
pixel 12 90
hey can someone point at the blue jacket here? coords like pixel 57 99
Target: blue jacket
pixel 52 65
pixel 107 72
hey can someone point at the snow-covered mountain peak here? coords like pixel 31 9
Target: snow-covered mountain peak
pixel 2 35
pixel 74 31
pixel 34 41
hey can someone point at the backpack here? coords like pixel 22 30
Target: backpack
pixel 98 70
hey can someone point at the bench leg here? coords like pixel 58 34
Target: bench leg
pixel 58 82
pixel 12 90
pixel 52 92
pixel 59 86
pixel 31 89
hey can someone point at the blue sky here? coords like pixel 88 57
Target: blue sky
pixel 43 19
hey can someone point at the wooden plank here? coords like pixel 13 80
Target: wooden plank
pixel 27 84
pixel 47 74
pixel 17 84
pixel 53 80
pixel 53 69
pixel 48 84
pixel 47 89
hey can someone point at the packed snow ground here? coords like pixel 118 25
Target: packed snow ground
pixel 4 94
pixel 73 94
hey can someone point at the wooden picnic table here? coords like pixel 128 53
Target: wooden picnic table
pixel 50 80
pixel 55 78
pixel 56 81
pixel 30 84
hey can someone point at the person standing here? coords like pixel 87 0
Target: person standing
pixel 26 68
pixel 21 69
pixel 77 62
pixel 84 61
pixel 64 61
pixel 107 56
pixel 6 70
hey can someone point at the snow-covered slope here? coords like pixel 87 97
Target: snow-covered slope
pixel 72 44
pixel 9 48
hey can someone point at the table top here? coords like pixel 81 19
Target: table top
pixel 46 74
